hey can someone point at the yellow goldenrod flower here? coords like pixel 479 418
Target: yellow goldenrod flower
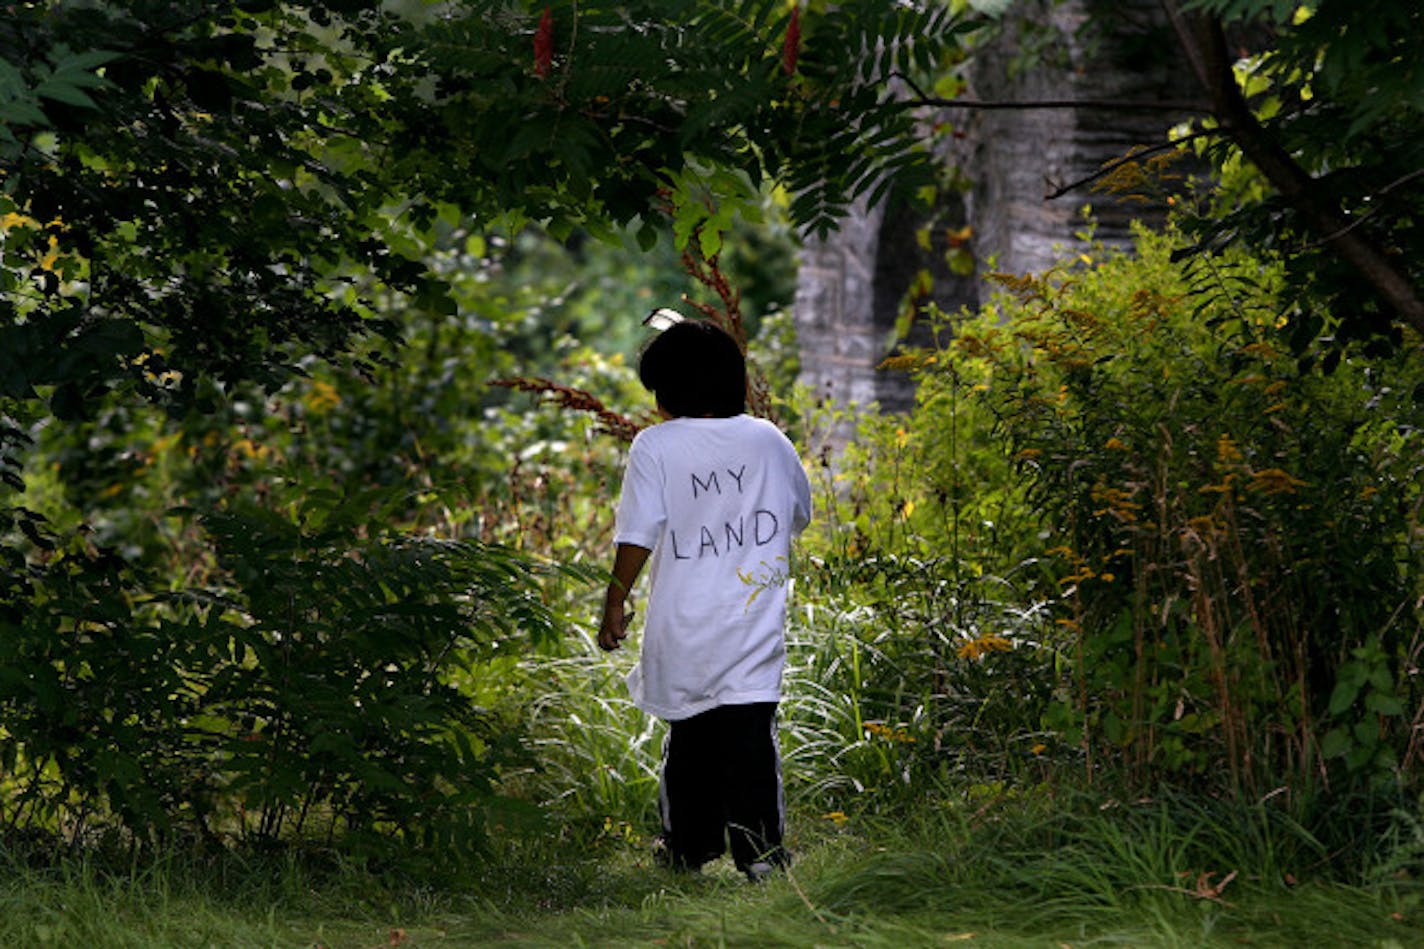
pixel 1203 525
pixel 1116 502
pixel 251 449
pixel 980 646
pixel 1274 481
pixel 321 396
pixel 898 363
pixel 1226 450
pixel 884 731
pixel 1223 488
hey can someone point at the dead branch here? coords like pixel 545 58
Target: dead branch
pixel 613 423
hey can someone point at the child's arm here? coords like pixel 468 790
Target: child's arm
pixel 628 562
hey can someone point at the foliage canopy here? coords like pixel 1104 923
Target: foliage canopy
pixel 211 194
pixel 1323 100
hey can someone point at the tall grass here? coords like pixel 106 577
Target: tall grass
pixel 1043 869
pixel 1164 872
pixel 81 901
pixel 595 755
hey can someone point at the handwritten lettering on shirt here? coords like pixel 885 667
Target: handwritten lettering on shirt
pixel 758 527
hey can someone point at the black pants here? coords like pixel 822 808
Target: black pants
pixel 721 781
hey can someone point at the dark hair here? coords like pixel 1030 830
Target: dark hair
pixel 695 369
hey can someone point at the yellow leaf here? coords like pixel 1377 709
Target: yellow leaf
pixel 11 220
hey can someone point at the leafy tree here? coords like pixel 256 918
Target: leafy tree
pixel 1329 114
pixel 209 193
pixel 204 202
pixel 201 198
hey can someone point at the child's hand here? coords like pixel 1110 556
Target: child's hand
pixel 614 628
pixel 627 563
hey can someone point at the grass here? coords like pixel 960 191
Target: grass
pixel 1012 872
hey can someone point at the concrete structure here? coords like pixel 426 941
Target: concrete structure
pixel 852 285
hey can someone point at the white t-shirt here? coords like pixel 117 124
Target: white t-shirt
pixel 717 501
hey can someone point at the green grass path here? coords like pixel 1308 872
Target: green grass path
pixel 845 891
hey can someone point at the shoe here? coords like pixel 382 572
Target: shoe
pixel 760 871
pixel 664 857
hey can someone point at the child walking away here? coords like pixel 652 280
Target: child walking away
pixel 712 496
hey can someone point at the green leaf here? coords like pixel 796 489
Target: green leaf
pixel 1336 743
pixel 1344 695
pixel 1381 703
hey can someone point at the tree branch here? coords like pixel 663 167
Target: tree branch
pixel 1204 42
pixel 1107 169
pixel 1102 105
pixel 1111 105
pixel 1401 180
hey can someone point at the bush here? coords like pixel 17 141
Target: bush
pixel 1237 539
pixel 317 685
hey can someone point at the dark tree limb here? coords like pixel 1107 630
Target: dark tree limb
pixel 1374 196
pixel 922 98
pixel 1204 42
pixel 1101 105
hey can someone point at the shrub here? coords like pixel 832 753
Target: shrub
pixel 1237 539
pixel 318 684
